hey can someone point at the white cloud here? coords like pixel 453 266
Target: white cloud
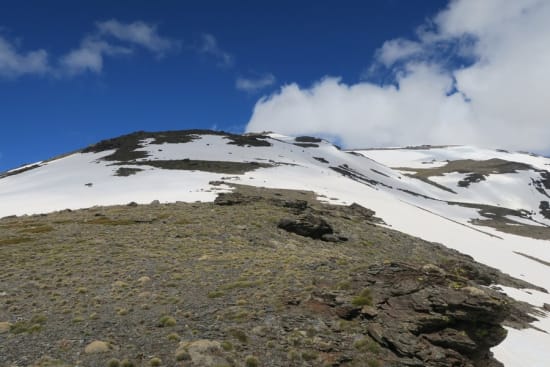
pixel 209 46
pixel 500 99
pixel 366 114
pixel 14 63
pixel 139 33
pixel 89 56
pixel 397 49
pixel 252 85
pixel 94 47
pixel 111 38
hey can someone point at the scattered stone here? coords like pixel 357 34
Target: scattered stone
pixel 333 238
pixel 202 353
pixel 347 312
pixel 369 311
pixel 307 139
pixel 330 237
pixel 144 280
pixel 298 205
pixel 97 346
pixel 231 198
pixel 433 269
pixel 474 291
pixel 217 183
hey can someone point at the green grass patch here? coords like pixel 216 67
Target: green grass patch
pixel 362 299
pixel 216 294
pixel 166 321
pixel 29 326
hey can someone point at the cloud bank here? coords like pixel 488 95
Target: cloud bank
pixel 499 98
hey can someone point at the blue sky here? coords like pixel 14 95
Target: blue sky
pixel 72 73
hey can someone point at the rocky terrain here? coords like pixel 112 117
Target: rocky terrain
pixel 260 277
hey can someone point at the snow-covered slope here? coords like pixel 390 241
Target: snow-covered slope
pixel 492 205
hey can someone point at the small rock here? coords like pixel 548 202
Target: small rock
pixel 144 280
pixel 333 238
pixel 376 332
pixel 330 238
pixel 231 198
pixel 132 203
pixel 433 269
pixel 369 311
pixel 475 291
pixel 298 205
pixel 155 202
pixel 97 346
pixel 347 312
pixel 546 307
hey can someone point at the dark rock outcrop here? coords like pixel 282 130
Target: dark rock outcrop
pixel 424 317
pixel 365 212
pixel 307 225
pixel 545 209
pixel 234 198
pixel 297 205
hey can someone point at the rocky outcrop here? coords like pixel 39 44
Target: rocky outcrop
pixel 545 209
pixel 425 316
pixel 307 225
pixel 310 225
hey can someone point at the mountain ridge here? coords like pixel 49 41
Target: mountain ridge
pixel 480 202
